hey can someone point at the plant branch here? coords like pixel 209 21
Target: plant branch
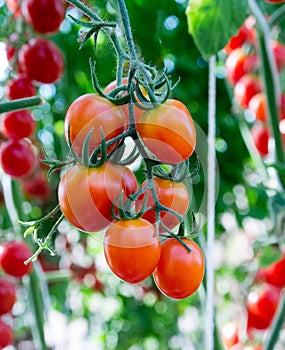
pixel 20 104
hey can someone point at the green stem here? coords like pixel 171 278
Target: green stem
pixel 277 325
pixel 20 104
pixel 271 82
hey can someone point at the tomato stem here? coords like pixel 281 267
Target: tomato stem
pixel 20 104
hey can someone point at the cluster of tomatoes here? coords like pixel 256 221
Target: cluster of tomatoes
pixel 97 194
pixel 242 71
pixel 261 305
pixel 33 61
pixel 12 257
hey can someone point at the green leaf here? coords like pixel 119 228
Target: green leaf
pixel 269 255
pixel 213 22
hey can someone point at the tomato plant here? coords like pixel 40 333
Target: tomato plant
pixel 248 86
pixel 7 295
pixel 168 132
pixel 89 112
pixel 41 60
pixel 44 16
pixel 6 334
pixel 258 105
pixel 17 157
pixel 132 249
pixel 179 272
pixel 86 195
pixel 12 259
pixel 18 124
pixel 19 87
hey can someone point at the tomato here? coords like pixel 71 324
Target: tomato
pixel 17 157
pixel 20 87
pixel 260 135
pixel 14 6
pixel 258 105
pixel 41 60
pixel 275 1
pixel 13 256
pixel 93 111
pixel 44 16
pixel 230 334
pixel 168 131
pixel 18 124
pixel 173 195
pixel 253 347
pixel 237 41
pixel 238 64
pixel 86 195
pixel 261 306
pixel 132 249
pixel 274 274
pixel 179 273
pixel 37 187
pixel 248 86
pixel 6 334
pixel 137 111
pixel 7 295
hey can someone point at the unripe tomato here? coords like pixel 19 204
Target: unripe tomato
pixel 260 135
pixel 7 295
pixel 86 195
pixel 173 195
pixel 179 273
pixel 132 249
pixel 20 87
pixel 17 158
pixel 13 256
pixel 6 335
pixel 93 111
pixel 248 86
pixel 44 16
pixel 168 131
pixel 41 60
pixel 261 306
pixel 258 105
pixel 18 124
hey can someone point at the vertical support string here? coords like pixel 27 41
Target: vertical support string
pixel 210 273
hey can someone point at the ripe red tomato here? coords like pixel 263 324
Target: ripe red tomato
pixel 37 187
pixel 93 111
pixel 278 49
pixel 275 1
pixel 274 274
pixel 179 273
pixel 238 40
pixel 17 157
pixel 86 195
pixel 44 16
pixel 14 6
pixel 6 334
pixel 137 111
pixel 132 249
pixel 7 295
pixel 230 334
pixel 41 60
pixel 171 194
pixel 168 131
pixel 260 135
pixel 238 64
pixel 261 306
pixel 13 256
pixel 248 86
pixel 258 105
pixel 20 87
pixel 18 124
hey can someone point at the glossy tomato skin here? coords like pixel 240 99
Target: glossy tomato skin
pixel 168 131
pixel 18 124
pixel 86 195
pixel 230 334
pixel 173 195
pixel 44 16
pixel 17 158
pixel 92 111
pixel 7 295
pixel 261 306
pixel 6 334
pixel 260 135
pixel 274 274
pixel 179 273
pixel 20 87
pixel 248 86
pixel 132 249
pixel 13 256
pixel 41 60
pixel 258 105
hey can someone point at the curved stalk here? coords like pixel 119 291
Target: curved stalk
pixel 20 104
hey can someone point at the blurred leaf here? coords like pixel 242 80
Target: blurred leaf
pixel 269 255
pixel 213 22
